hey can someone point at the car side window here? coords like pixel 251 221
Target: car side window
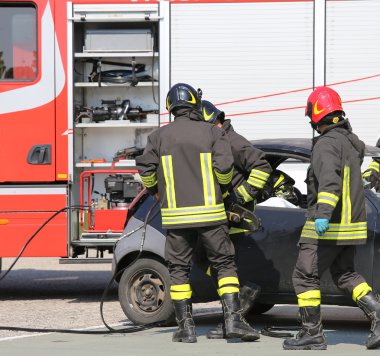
pixel 296 169
pixel 289 189
pixel 18 42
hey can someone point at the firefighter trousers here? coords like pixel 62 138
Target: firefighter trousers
pixel 313 260
pixel 180 245
pixel 200 255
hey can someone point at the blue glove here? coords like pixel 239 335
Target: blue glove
pixel 321 226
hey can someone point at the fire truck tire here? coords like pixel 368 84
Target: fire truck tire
pixel 144 292
pixel 260 308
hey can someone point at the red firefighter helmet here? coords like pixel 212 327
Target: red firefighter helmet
pixel 321 102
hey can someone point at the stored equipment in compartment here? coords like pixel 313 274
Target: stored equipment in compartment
pixel 109 209
pixel 110 110
pixel 118 40
pixel 122 189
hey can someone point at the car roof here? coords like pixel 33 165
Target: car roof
pixel 285 146
pixel 297 147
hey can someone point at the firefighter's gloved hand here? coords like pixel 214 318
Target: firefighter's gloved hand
pixel 229 201
pixel 321 226
pixel 238 197
pixel 233 198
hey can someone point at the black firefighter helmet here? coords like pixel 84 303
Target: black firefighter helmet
pixel 183 95
pixel 280 185
pixel 211 113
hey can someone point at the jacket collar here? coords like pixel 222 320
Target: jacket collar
pixel 189 114
pixel 227 125
pixel 344 124
pixel 344 128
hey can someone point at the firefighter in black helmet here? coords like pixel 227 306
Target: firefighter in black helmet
pixel 336 222
pixel 189 163
pixel 251 172
pixel 372 174
pixel 281 185
pixel 251 169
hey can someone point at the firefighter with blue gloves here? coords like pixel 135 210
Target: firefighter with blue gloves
pixel 336 222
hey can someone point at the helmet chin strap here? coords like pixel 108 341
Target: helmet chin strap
pixel 315 126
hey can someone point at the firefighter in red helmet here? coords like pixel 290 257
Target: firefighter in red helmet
pixel 335 224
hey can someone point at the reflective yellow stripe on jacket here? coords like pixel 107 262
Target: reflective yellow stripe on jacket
pixel 328 198
pixel 367 174
pixel 375 166
pixel 149 181
pixel 224 178
pixel 208 179
pixel 243 192
pixel 167 166
pixel 193 214
pixel 350 231
pixel 209 212
pixel 258 178
pixel 346 197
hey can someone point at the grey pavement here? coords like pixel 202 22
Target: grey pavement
pixel 346 331
pixel 42 293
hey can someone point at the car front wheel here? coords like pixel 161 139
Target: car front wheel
pixel 144 292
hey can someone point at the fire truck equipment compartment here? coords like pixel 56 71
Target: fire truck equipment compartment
pixel 118 40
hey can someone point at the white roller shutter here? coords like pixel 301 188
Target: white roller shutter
pixel 235 51
pixel 352 53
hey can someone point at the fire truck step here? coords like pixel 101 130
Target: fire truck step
pixel 67 261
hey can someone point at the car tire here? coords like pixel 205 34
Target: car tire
pixel 260 308
pixel 144 292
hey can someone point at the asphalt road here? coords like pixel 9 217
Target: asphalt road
pixel 41 293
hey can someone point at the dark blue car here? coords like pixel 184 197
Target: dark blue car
pixel 266 257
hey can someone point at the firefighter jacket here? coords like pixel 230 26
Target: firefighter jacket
pixel 189 162
pixel 335 188
pixel 251 170
pixel 372 174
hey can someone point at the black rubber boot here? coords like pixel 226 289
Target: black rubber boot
pixel 247 296
pixel 311 336
pixel 235 324
pixel 217 333
pixel 184 318
pixel 371 306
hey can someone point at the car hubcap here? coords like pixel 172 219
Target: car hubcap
pixel 147 291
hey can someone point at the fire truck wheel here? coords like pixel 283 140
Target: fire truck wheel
pixel 144 292
pixel 259 308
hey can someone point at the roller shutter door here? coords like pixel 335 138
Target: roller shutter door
pixel 353 55
pixel 235 51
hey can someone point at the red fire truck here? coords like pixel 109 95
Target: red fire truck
pixel 83 82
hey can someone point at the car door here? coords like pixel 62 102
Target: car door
pixel 267 257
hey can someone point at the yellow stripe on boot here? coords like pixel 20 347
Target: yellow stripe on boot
pixel 311 298
pixel 228 285
pixel 360 291
pixel 180 291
